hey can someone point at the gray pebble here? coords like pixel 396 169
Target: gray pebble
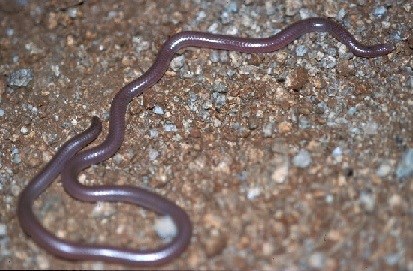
pixel 158 110
pixel 214 56
pixel 219 99
pixel 383 170
pixel 177 62
pixel 153 133
pixel 3 230
pixel 317 260
pixel 232 7
pixel 153 154
pixel 379 11
pixel 223 55
pixel 72 12
pixel 20 78
pixel 301 50
pixel 303 122
pixel 220 87
pixel 367 200
pixel 9 32
pixel 268 129
pixel 1 112
pixel 15 155
pixel 169 127
pixel 405 167
pixel 302 159
pixel 329 62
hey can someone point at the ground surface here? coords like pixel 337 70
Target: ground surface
pixel 289 160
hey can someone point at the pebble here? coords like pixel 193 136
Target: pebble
pixel 379 11
pixel 253 192
pixel 370 128
pixel 3 230
pixel 24 130
pixel 302 159
pixel 292 7
pixel 383 170
pixel 169 127
pixel 153 133
pixel 297 78
pixel 15 155
pixel 1 112
pixel 317 260
pixel 337 154
pixel 329 62
pixel 405 167
pixel 153 154
pixel 219 99
pixel 214 56
pixel 301 50
pixel 215 244
pixel 20 78
pixel 158 110
pixel 367 200
pixel 280 173
pixel 103 209
pixel 177 62
pixel 165 227
pixel 268 129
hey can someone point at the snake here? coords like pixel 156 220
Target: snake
pixel 72 157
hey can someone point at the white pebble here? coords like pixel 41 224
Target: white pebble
pixel 253 193
pixel 165 227
pixel 383 170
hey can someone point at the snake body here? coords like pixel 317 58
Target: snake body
pixel 71 158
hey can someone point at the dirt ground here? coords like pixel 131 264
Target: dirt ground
pixel 299 159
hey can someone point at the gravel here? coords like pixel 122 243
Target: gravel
pixel 302 159
pixel 20 78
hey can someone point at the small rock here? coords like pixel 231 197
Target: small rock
pixel 103 209
pixel 215 245
pixel 165 227
pixel 24 130
pixel 169 127
pixel 367 200
pixel 3 230
pixel 292 7
pixel 383 170
pixel 219 99
pixel 158 110
pixel 284 127
pixel 302 159
pixel 178 62
pixel 268 129
pixel 337 154
pixel 153 133
pixel 42 262
pixel 153 154
pixel 370 128
pixel 280 173
pixel 301 50
pixel 297 78
pixel 317 260
pixel 253 192
pixel 1 112
pixel 20 78
pixel 405 167
pixel 214 56
pixel 379 11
